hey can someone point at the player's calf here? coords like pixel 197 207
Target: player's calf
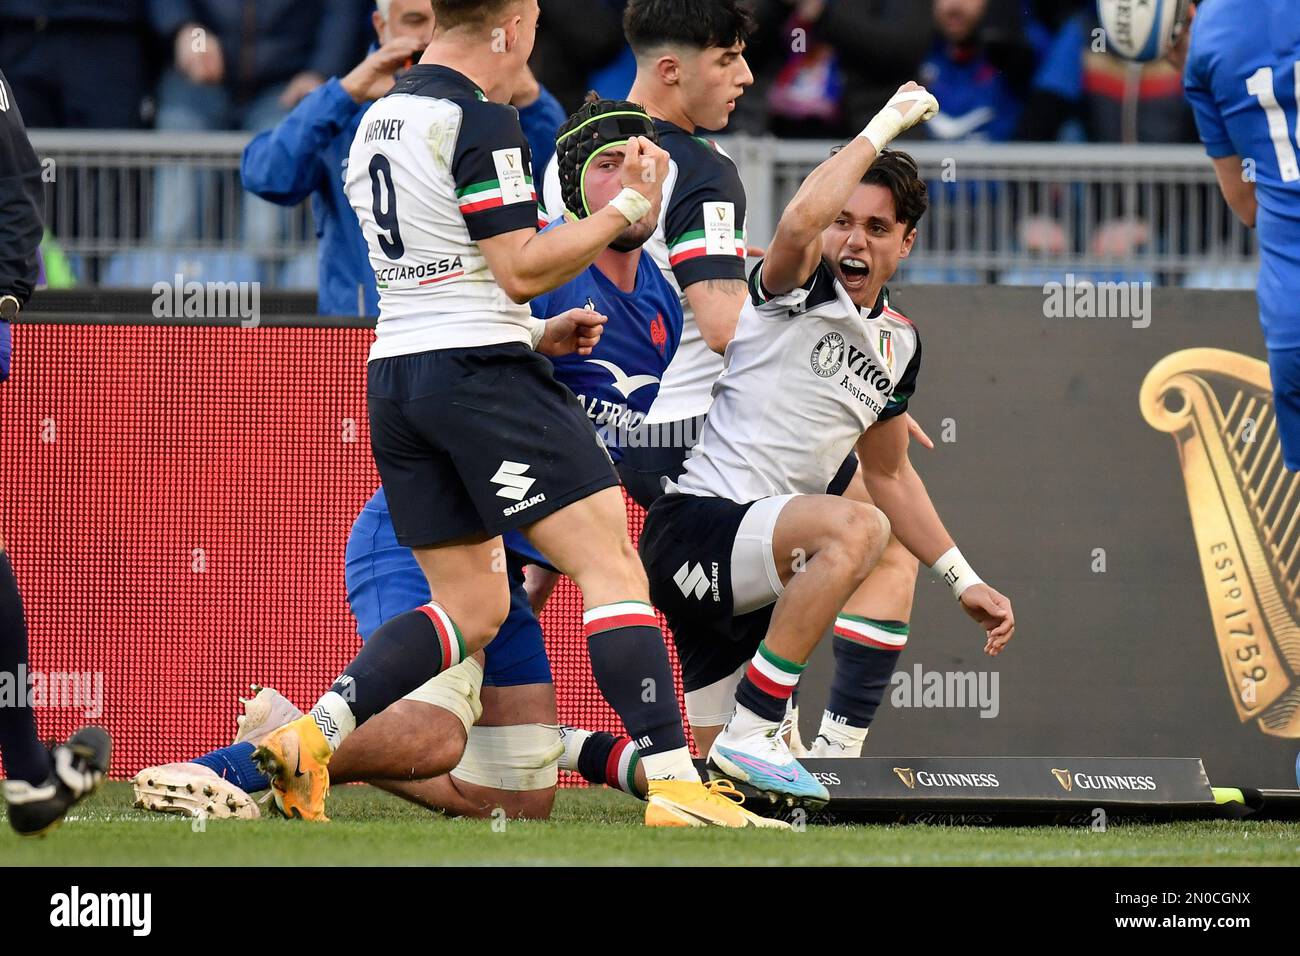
pixel 870 634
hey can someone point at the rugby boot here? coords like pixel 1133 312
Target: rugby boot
pixel 763 761
pixel 266 710
pixel 296 758
pixel 191 789
pixel 688 803
pixel 78 768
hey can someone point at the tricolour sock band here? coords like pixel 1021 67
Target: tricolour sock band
pixel 607 617
pixel 453 645
pixel 768 684
pixel 886 635
pixel 620 768
pixel 773 674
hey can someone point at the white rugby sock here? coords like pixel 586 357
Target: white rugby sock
pixel 334 718
pixel 573 739
pixel 670 765
pixel 849 737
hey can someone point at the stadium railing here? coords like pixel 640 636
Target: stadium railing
pixel 1009 213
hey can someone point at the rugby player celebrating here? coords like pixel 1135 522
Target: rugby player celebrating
pixel 819 365
pixel 471 433
pixel 483 736
pixel 691 69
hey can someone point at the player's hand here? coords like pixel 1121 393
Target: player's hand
pixel 373 76
pixel 1177 54
pixel 917 432
pixel 527 90
pixel 645 166
pixel 198 55
pixel 912 104
pixel 577 330
pixel 298 87
pixel 993 612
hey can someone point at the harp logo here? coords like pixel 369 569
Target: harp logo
pixel 906 775
pixel 1064 778
pixel 1218 408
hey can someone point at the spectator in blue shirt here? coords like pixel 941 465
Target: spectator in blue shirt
pixel 304 154
pixel 969 74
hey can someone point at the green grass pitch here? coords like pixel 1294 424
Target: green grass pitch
pixel 600 827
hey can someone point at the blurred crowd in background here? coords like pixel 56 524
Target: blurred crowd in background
pixel 1032 70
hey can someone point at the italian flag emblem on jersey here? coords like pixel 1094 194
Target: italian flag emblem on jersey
pixel 719 237
pixel 887 349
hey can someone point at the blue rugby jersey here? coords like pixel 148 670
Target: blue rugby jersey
pixel 617 383
pixel 1243 80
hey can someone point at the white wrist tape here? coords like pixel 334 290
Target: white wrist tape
pixel 889 122
pixel 955 572
pixel 536 329
pixel 631 204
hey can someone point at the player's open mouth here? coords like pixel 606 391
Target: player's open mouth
pixel 855 271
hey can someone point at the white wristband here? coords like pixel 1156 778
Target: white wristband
pixel 880 132
pixel 631 204
pixel 536 329
pixel 955 572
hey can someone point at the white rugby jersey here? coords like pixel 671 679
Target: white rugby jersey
pixel 701 236
pixel 434 168
pixel 807 373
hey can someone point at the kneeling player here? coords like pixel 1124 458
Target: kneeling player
pixel 819 366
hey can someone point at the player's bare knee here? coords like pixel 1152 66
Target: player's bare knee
pixel 861 537
pixel 480 626
pixel 529 804
pixel 618 569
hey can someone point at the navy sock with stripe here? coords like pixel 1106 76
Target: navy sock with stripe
pixel 866 653
pixel 768 683
pixel 609 760
pixel 403 653
pixel 630 663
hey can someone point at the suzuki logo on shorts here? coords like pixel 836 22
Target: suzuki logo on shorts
pixel 514 483
pixel 696 583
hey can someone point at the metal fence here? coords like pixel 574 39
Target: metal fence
pixel 126 207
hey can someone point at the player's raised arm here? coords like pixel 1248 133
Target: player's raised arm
pixel 797 247
pixel 526 263
pixel 898 491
